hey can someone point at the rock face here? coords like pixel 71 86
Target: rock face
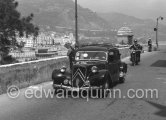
pixel 61 13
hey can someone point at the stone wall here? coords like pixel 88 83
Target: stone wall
pixel 29 73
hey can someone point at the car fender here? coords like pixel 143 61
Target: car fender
pixel 101 74
pixel 124 67
pixel 57 75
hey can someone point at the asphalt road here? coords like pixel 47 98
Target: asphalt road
pixel 141 77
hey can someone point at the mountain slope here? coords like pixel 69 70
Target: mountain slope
pixel 51 13
pixel 141 28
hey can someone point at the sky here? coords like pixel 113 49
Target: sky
pixel 146 9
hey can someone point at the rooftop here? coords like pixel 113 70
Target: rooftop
pixel 124 31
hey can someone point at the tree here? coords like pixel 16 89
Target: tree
pixel 13 25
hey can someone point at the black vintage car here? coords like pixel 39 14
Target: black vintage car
pixel 94 67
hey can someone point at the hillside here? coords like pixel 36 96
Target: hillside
pixel 55 14
pixel 52 13
pixel 141 28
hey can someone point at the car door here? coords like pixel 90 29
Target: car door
pixel 117 64
pixel 113 65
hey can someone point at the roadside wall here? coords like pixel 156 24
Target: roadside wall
pixel 30 73
pixel 124 52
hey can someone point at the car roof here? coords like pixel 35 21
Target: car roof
pixel 97 48
pixel 93 48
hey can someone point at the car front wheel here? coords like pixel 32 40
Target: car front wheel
pixel 121 80
pixel 105 89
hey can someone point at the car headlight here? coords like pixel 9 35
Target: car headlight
pixel 59 75
pixel 63 69
pixel 87 82
pixel 66 82
pixel 69 82
pixel 121 67
pixel 133 51
pixel 94 69
pixel 121 74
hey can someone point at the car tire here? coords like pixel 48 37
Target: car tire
pixel 121 79
pixel 133 64
pixel 105 90
pixel 111 83
pixel 54 91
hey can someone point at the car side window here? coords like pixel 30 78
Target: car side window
pixel 111 56
pixel 114 56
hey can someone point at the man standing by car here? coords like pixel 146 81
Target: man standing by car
pixel 149 45
pixel 138 49
pixel 71 54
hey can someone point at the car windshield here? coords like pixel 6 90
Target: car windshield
pixel 91 55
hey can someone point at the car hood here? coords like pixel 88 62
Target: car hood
pixel 87 64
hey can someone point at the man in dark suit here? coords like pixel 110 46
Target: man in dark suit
pixel 71 54
pixel 149 45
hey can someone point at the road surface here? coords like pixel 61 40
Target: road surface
pixel 148 75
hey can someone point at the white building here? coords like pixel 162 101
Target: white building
pixel 125 35
pixel 29 42
pixel 28 54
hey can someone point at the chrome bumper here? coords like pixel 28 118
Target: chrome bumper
pixel 55 86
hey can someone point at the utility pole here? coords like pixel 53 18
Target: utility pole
pixel 157 33
pixel 156 29
pixel 76 24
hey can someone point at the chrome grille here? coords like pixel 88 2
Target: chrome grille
pixel 78 76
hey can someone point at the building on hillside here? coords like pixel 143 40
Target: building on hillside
pixel 125 36
pixel 68 38
pixel 52 38
pixel 29 42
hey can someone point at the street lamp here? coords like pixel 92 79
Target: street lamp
pixel 156 29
